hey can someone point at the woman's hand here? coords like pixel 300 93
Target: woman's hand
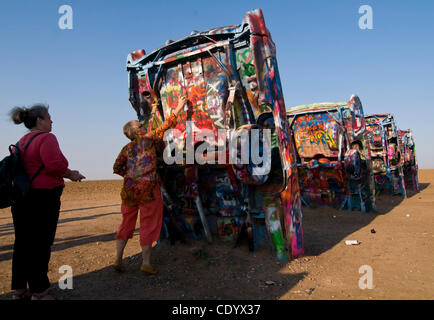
pixel 77 176
pixel 182 101
pixel 74 175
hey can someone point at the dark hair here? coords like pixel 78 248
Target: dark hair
pixel 28 115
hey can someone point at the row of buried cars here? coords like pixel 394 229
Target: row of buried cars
pixel 346 159
pixel 326 153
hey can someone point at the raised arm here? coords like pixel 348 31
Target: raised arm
pixel 170 122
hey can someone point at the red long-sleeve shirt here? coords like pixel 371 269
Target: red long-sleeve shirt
pixel 44 149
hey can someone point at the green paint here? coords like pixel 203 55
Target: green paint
pixel 279 245
pixel 274 143
pixel 245 58
pixel 249 70
pixel 276 234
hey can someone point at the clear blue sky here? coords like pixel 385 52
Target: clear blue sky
pixel 322 56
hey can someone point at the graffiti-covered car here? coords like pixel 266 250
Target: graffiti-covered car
pixel 386 157
pixel 332 154
pixel 230 76
pixel 408 152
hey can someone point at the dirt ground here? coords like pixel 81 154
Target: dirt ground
pixel 400 252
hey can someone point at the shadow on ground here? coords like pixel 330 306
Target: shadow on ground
pixel 88 208
pixel 193 271
pixel 198 270
pixel 8 229
pixel 60 244
pixel 324 227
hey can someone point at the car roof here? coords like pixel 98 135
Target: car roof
pixel 315 107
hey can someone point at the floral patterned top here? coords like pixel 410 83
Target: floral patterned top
pixel 137 163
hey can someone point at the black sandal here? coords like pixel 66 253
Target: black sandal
pixel 42 296
pixel 25 295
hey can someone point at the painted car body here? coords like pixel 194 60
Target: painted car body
pixel 332 154
pixel 386 155
pixel 230 76
pixel 408 152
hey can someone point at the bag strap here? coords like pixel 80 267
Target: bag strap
pixel 25 147
pixel 37 173
pixel 31 139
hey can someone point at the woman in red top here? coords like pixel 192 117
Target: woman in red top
pixel 35 218
pixel 137 164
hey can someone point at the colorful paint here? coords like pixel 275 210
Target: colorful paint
pixel 231 78
pixel 386 154
pixel 272 209
pixel 332 154
pixel 408 153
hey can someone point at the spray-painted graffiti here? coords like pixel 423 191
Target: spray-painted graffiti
pixel 316 134
pixel 230 77
pixel 408 152
pixel 245 58
pixel 272 209
pixel 386 154
pixel 333 155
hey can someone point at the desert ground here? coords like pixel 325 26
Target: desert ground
pixel 400 253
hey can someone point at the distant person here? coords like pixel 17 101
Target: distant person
pixel 137 164
pixel 35 217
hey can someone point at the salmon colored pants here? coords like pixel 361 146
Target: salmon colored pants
pixel 151 219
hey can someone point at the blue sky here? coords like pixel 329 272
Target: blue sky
pixel 322 54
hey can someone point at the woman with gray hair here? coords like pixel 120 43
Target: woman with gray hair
pixel 35 217
pixel 137 164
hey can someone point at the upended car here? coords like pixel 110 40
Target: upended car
pixel 410 166
pixel 332 155
pixel 231 79
pixel 386 155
